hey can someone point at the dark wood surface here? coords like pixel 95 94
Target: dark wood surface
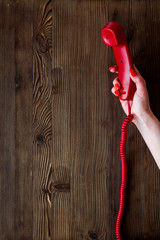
pixel 60 125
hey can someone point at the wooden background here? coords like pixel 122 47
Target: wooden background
pixel 60 124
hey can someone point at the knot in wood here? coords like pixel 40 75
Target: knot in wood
pixel 115 14
pixel 54 90
pixel 59 187
pixel 42 43
pixel 93 235
pixel 18 81
pixel 40 138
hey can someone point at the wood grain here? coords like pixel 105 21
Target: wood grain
pixel 7 122
pixel 60 124
pixel 42 92
pixel 76 130
pixel 23 119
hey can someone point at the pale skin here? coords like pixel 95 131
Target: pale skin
pixel 144 119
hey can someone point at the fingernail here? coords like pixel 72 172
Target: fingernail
pixel 132 72
pixel 117 86
pixel 116 93
pixel 111 68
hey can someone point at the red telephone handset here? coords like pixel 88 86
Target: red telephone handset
pixel 113 35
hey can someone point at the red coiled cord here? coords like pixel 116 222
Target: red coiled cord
pixel 123 140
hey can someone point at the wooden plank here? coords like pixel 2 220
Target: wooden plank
pixel 7 122
pixel 23 119
pixel 79 120
pixel 152 174
pixel 139 222
pixel 42 92
pixel 80 62
pixel 60 124
pixel 16 121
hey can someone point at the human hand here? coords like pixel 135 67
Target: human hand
pixel 140 106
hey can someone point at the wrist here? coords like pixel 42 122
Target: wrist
pixel 143 120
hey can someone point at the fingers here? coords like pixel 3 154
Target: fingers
pixel 116 83
pixel 138 80
pixel 114 69
pixel 115 92
pixel 135 76
pixel 136 69
pixel 117 86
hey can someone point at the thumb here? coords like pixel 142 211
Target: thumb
pixel 137 79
